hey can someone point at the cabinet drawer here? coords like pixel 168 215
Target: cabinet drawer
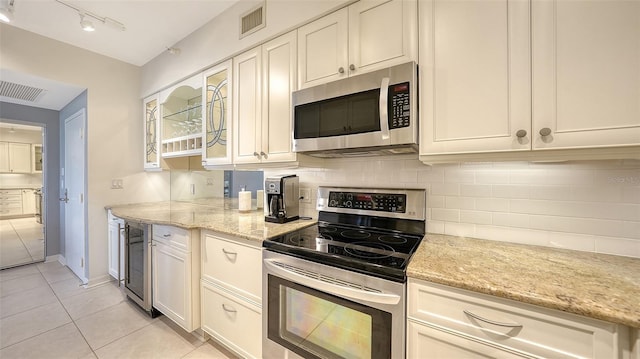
pixel 234 322
pixel 523 327
pixel 232 265
pixel 173 236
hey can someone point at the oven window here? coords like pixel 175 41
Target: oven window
pixel 320 325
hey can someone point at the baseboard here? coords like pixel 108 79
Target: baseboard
pixel 94 282
pixel 56 258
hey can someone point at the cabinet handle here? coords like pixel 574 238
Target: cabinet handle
pixel 500 324
pixel 341 70
pixel 166 235
pixel 228 310
pixel 352 67
pixel 264 155
pixel 545 132
pixel 256 154
pixel 229 253
pixel 521 134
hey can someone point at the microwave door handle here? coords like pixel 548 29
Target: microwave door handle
pixel 384 101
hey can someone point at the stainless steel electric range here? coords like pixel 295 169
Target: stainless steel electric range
pixel 338 289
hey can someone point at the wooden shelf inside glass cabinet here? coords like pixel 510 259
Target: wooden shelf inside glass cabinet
pixel 182 123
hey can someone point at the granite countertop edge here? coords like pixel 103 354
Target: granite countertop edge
pixel 598 286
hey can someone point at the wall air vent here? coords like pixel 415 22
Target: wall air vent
pixel 20 92
pixel 252 21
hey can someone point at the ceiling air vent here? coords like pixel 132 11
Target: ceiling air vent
pixel 252 21
pixel 20 92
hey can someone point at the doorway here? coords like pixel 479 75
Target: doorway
pixel 22 178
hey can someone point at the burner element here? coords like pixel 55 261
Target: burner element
pixel 360 250
pixel 391 239
pixel 328 229
pixel 356 234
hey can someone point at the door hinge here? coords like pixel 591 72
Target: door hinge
pixel 81 262
pixel 81 197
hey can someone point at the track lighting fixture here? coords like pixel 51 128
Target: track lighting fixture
pixel 86 23
pixel 6 10
pixel 173 50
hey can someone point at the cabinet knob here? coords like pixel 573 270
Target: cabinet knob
pixel 341 70
pixel 352 67
pixel 545 132
pixel 521 133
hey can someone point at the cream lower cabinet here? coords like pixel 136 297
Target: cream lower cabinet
pixel 445 322
pixel 264 78
pixel 231 288
pixel 28 202
pixel 116 246
pixel 10 202
pixel 175 263
pixel 518 78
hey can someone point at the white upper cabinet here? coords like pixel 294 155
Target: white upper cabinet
pixel 474 76
pixel 151 115
pixel 15 157
pixel 365 36
pixel 216 117
pixel 514 77
pixel 264 78
pixel 586 73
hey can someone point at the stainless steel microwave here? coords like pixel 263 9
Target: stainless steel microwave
pixel 368 114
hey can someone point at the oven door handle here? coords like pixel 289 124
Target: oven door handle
pixel 332 288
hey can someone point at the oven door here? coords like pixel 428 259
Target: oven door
pixel 315 311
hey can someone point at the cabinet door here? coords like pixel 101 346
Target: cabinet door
pixel 586 73
pixel 279 81
pixel 28 201
pixel 216 119
pixel 427 342
pixel 247 113
pixel 20 157
pixel 323 49
pixel 4 157
pixel 474 76
pixel 36 158
pixel 114 250
pixel 151 132
pixel 382 33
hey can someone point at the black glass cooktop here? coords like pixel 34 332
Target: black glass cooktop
pixel 381 252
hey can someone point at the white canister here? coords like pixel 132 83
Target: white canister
pixel 259 198
pixel 244 201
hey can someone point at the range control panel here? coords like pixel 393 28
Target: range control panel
pixel 385 202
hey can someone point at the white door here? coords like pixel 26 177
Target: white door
pixel 73 190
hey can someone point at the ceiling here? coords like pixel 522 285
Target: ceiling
pixel 151 27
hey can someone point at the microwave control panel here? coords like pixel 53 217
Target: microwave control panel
pixel 398 107
pixel 386 202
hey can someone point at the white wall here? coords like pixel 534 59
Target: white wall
pixel 114 126
pixel 220 39
pixel 590 206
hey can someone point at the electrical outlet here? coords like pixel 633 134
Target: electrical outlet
pixel 209 181
pixel 116 184
pixel 305 195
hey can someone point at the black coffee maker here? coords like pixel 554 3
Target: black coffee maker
pixel 282 196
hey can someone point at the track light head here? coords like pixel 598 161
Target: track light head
pixel 86 25
pixel 6 11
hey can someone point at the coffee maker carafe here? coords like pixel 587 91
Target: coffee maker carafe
pixel 282 198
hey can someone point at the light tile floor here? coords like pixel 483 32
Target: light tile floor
pixel 46 313
pixel 21 242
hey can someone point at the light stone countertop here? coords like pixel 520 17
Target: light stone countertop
pixel 594 285
pixel 216 214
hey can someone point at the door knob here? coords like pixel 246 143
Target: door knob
pixel 65 199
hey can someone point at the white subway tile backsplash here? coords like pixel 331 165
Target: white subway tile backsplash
pixel 582 205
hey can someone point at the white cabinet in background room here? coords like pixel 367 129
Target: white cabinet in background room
pixel 10 202
pixel 175 272
pixel 15 157
pixel 28 201
pixel 216 117
pixel 264 78
pixel 514 78
pixel 231 289
pixel 36 158
pixel 446 322
pixel 366 36
pixel 116 246
pixel 151 108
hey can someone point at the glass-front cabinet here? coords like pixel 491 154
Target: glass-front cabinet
pixel 182 119
pixel 151 132
pixel 216 119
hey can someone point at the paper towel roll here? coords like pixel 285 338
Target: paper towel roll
pixel 244 201
pixel 259 198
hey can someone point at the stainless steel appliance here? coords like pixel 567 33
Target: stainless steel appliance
pixel 39 210
pixel 137 268
pixel 282 198
pixel 372 113
pixel 338 289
